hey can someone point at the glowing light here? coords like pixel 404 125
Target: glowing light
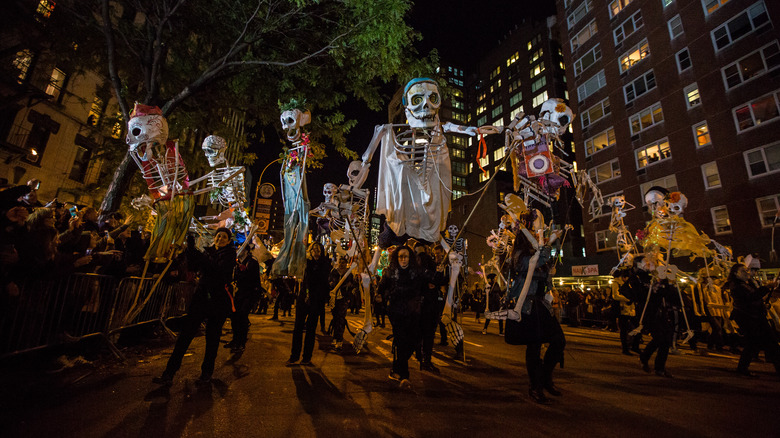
pixel 34 152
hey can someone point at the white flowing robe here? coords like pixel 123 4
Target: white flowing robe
pixel 415 200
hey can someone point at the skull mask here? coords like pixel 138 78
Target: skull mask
pixel 676 205
pixel 506 222
pixel 421 103
pixel 654 198
pixel 356 173
pixel 293 121
pixel 148 129
pixel 558 114
pixel 452 230
pixel 214 148
pixel 329 190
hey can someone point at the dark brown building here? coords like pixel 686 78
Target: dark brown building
pixel 683 94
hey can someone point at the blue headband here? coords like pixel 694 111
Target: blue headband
pixel 412 82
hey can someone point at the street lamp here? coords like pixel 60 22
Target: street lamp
pixel 259 181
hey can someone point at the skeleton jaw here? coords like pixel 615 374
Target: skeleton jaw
pixel 422 119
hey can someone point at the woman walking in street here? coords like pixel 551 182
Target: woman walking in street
pixel 312 298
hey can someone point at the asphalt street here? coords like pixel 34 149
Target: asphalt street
pixel 343 395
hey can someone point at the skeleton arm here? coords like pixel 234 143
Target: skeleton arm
pixel 471 130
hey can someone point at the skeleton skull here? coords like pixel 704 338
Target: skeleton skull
pixel 676 205
pixel 292 121
pixel 356 173
pixel 329 190
pixel 214 148
pixel 146 128
pixel 452 230
pixel 506 222
pixel 557 113
pixel 618 201
pixel 654 198
pixel 421 103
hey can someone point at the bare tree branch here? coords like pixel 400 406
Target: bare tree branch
pixel 112 68
pixel 243 32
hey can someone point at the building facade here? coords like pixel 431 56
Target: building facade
pixel 681 94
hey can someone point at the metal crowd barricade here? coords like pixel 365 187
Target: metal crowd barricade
pixel 48 312
pixel 51 312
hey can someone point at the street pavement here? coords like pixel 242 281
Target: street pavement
pixel 606 394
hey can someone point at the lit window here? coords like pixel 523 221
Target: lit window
pixel 44 9
pixel 754 113
pixel 633 56
pixel 515 112
pixel 675 27
pixel 515 98
pixel 710 175
pixel 498 154
pixel 595 113
pixel 484 176
pixel 536 55
pixel 539 99
pixel 95 112
pixel 459 181
pixel 56 81
pixel 458 153
pixel 753 65
pixel 457 194
pixel 683 60
pixel 600 141
pixel 512 59
pixel 720 220
pixel 536 70
pixel 22 62
pixel 764 160
pixel 667 2
pixel 616 6
pixel 646 118
pixel 653 153
pixel 497 111
pixel 701 132
pixel 514 85
pixel 481 109
pixel 741 25
pixel 767 209
pixel 711 6
pixel 495 72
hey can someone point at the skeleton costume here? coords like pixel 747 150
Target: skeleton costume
pixel 166 176
pixel 291 260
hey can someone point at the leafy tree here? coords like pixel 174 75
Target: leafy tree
pixel 196 59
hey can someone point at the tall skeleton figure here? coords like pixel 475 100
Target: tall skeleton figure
pixel 457 259
pixel 415 176
pixel 291 260
pixel 500 243
pixel 166 176
pixel 226 185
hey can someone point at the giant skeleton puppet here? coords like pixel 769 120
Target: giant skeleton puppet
pixel 226 186
pixel 166 176
pixel 414 190
pixel 625 241
pixel 291 261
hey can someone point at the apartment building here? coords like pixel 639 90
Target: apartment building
pixel 682 94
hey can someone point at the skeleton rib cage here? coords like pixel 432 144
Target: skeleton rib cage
pixel 161 178
pixel 419 153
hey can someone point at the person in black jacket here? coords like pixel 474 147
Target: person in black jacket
pixel 750 314
pixel 212 301
pixel 431 309
pixel 344 296
pixel 664 301
pixel 402 286
pixel 312 298
pixel 248 291
pixel 495 296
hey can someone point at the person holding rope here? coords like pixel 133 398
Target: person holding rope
pixel 212 302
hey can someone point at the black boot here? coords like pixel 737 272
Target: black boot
pixel 538 396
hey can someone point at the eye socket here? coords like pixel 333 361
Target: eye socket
pixel 416 100
pixel 434 98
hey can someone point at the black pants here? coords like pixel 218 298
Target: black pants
pixel 662 330
pixel 239 319
pixel 500 325
pixel 339 322
pixel 200 310
pixel 759 335
pixel 306 316
pixel 430 319
pixel 626 323
pixel 540 370
pixel 406 333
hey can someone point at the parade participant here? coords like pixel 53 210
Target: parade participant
pixel 212 302
pixel 402 285
pixel 627 316
pixel 246 278
pixel 660 311
pixel 751 316
pixel 312 297
pixel 430 315
pixel 494 297
pixel 344 294
pixel 537 324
